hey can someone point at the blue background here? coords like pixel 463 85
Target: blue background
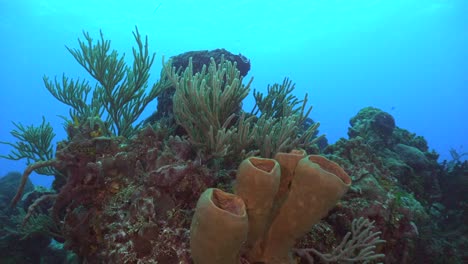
pixel 407 57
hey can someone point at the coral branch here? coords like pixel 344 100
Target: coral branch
pixel 36 205
pixel 357 245
pixel 34 143
pixel 26 173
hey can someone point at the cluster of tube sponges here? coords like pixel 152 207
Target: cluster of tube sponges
pixel 276 201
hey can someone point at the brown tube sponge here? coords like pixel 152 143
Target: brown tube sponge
pixel 288 163
pixel 257 183
pixel 219 228
pixel 317 185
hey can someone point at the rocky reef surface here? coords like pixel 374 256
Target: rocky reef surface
pixel 132 202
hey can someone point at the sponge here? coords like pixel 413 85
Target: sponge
pixel 257 183
pixel 219 228
pixel 317 185
pixel 276 202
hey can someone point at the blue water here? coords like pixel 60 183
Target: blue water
pixel 407 57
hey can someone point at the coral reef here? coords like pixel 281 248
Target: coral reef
pixel 397 182
pixel 127 192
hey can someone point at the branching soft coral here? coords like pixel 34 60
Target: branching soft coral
pixel 205 104
pixel 34 144
pixel 357 245
pixel 281 120
pixel 120 94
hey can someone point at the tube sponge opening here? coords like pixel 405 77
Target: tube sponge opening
pixel 228 202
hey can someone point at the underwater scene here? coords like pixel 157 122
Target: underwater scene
pixel 234 132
